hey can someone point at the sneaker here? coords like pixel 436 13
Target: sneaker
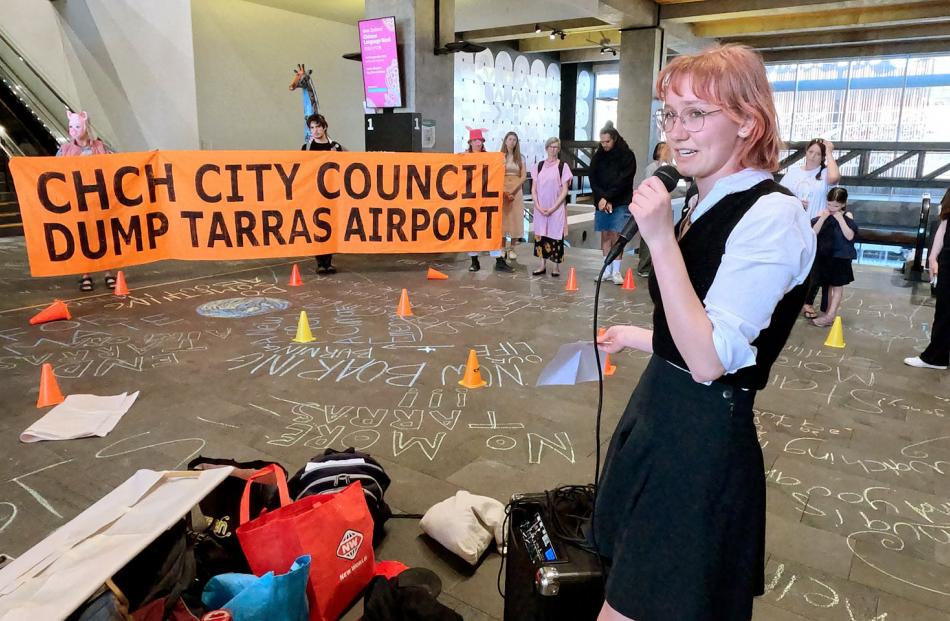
pixel 604 278
pixel 643 273
pixel 920 364
pixel 511 255
pixel 475 266
pixel 617 278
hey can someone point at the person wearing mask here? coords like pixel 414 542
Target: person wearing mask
pixel 810 183
pixel 937 353
pixel 680 511
pixel 82 143
pixel 549 185
pixel 476 144
pixel 611 180
pixel 320 141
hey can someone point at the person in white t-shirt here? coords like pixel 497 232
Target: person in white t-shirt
pixel 810 183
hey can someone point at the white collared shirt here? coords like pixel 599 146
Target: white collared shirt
pixel 767 254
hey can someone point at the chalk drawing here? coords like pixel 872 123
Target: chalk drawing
pixel 35 494
pixel 501 443
pixel 13 512
pixel 430 448
pixel 214 422
pixel 562 446
pixel 236 308
pixel 493 423
pixel 893 542
pixel 103 454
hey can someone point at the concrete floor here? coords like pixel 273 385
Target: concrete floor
pixel 857 446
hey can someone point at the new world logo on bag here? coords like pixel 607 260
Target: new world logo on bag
pixel 349 545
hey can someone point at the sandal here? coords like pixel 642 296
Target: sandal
pixel 110 281
pixel 823 321
pixel 809 312
pixel 539 272
pixel 85 283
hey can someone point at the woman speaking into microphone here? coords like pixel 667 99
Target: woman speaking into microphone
pixel 680 514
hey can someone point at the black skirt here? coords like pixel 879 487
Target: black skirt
pixel 681 508
pixel 833 272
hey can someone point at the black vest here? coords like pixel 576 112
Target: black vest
pixel 702 248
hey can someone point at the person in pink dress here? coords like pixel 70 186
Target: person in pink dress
pixel 550 179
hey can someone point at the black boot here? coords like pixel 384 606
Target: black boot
pixel 475 266
pixel 502 266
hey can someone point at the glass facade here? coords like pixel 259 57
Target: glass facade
pixel 882 99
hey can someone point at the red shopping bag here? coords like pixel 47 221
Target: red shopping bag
pixel 336 530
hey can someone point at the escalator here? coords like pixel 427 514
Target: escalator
pixel 32 123
pixel 21 133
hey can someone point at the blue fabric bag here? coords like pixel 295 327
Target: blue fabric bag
pixel 273 597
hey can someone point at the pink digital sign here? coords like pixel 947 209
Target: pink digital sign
pixel 380 63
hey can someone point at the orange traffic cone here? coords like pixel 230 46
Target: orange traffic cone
pixel 571 281
pixel 404 309
pixel 54 312
pixel 628 282
pixel 473 374
pixel 436 275
pixel 120 287
pixel 609 368
pixel 49 389
pixel 295 280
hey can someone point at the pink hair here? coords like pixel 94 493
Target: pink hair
pixel 733 77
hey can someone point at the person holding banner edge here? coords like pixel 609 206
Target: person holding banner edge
pixel 476 144
pixel 84 144
pixel 512 209
pixel 680 511
pixel 320 141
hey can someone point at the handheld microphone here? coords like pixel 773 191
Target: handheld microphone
pixel 670 177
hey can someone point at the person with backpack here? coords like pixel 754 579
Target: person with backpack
pixel 549 184
pixel 612 170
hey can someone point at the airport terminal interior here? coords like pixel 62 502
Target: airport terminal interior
pixel 856 443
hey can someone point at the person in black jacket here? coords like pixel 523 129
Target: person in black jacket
pixel 320 141
pixel 611 179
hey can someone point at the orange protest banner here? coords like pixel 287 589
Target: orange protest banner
pixel 99 212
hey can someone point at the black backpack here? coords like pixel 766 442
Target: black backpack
pixel 560 167
pixel 334 470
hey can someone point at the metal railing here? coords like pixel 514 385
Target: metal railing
pixel 885 164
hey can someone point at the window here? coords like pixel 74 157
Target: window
pixel 606 90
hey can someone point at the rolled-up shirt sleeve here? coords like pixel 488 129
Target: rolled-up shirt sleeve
pixel 767 254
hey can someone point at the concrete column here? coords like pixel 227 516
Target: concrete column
pixel 641 56
pixel 428 80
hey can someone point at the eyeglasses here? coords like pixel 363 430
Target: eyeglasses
pixel 693 119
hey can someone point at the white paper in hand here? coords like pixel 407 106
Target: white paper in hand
pixel 80 416
pixel 572 364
